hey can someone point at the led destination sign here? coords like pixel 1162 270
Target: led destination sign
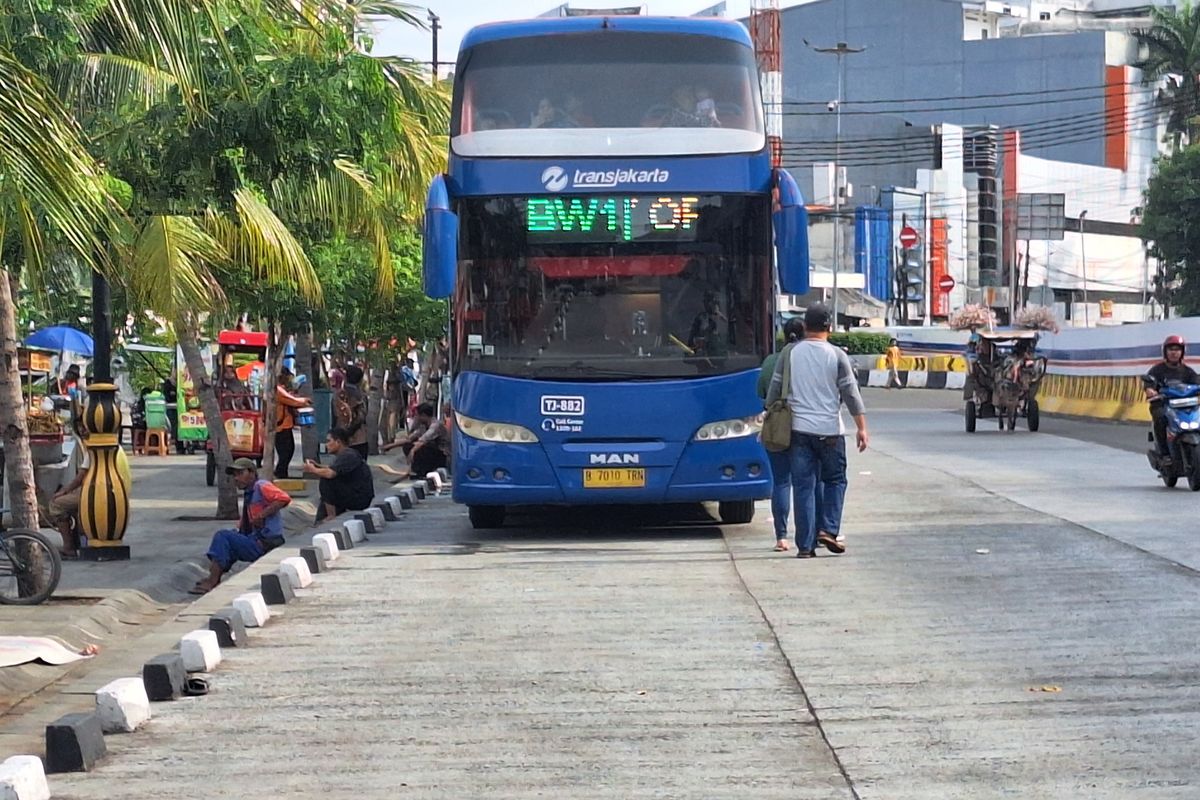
pixel 612 219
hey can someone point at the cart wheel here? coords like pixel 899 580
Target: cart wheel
pixel 1033 416
pixel 210 468
pixel 969 416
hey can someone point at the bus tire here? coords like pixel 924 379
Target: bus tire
pixel 483 517
pixel 736 512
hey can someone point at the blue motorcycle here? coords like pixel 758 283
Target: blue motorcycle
pixel 1182 406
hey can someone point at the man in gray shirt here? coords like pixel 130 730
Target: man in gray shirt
pixel 821 379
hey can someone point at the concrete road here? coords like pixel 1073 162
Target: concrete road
pixel 1015 618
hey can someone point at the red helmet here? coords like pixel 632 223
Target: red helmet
pixel 1174 340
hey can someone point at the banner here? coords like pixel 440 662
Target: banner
pixel 191 417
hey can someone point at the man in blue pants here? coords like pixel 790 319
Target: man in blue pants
pixel 822 378
pixel 260 531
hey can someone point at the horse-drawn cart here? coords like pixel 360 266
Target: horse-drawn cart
pixel 1003 378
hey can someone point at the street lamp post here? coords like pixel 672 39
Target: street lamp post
pixel 840 50
pixel 435 26
pixel 1083 261
pixel 104 496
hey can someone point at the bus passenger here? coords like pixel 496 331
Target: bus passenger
pixel 706 107
pixel 576 114
pixel 548 115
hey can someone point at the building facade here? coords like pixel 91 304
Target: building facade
pixel 942 113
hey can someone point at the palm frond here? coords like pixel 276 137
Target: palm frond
pixel 261 241
pixel 112 82
pixel 171 265
pixel 345 201
pixel 402 12
pixel 43 161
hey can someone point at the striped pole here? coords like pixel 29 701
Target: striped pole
pixel 764 30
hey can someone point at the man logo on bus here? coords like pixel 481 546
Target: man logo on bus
pixel 615 458
pixel 554 179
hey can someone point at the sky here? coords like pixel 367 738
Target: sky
pixel 459 16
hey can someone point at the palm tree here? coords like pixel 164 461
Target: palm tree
pixel 51 194
pixel 1172 55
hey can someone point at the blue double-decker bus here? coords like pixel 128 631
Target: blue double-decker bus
pixel 608 231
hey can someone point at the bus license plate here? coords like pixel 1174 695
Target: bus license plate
pixel 624 478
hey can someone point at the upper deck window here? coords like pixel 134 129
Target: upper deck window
pixel 607 93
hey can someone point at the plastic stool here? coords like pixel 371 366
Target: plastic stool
pixel 158 434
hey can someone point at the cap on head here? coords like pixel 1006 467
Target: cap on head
pixel 240 465
pixel 818 318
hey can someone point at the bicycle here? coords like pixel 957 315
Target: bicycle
pixel 30 566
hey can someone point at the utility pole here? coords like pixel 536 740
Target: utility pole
pixel 840 50
pixel 1083 258
pixel 435 25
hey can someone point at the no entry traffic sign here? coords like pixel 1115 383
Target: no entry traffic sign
pixel 946 283
pixel 909 237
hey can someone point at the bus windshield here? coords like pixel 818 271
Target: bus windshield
pixel 610 287
pixel 607 93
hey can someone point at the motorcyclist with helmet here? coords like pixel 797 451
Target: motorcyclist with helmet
pixel 1170 370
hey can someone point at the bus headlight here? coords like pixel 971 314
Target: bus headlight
pixel 503 432
pixel 729 429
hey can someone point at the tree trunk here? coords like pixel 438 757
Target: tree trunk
pixel 189 338
pixel 18 458
pixel 309 446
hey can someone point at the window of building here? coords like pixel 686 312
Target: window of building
pixel 1044 16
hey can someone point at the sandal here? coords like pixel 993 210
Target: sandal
pixel 781 546
pixel 195 687
pixel 199 589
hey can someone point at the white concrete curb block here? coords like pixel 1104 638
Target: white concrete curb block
pixel 200 650
pixel 394 503
pixel 296 570
pixel 917 379
pixel 123 705
pixel 956 380
pixel 253 609
pixel 377 515
pixel 878 378
pixel 355 530
pixel 328 544
pixel 437 481
pixel 23 778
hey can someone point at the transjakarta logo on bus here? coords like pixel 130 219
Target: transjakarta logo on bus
pixel 555 178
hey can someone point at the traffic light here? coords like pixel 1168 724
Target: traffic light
pixel 910 276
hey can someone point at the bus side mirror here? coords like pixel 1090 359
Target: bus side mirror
pixel 790 220
pixel 439 260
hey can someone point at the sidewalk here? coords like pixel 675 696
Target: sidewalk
pixel 107 602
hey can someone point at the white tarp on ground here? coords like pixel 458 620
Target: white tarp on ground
pixel 16 650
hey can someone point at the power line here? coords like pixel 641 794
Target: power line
pixel 1067 122
pixel 977 96
pixel 952 109
pixel 926 151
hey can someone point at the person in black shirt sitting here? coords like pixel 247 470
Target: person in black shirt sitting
pixel 1170 370
pixel 346 484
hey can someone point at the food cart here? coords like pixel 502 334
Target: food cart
pixel 241 408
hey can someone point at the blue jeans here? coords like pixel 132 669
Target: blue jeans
pixel 230 546
pixel 818 472
pixel 781 490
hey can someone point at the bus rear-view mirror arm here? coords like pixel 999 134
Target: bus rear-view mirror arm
pixel 440 254
pixel 790 221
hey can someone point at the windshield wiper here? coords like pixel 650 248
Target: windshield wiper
pixel 580 368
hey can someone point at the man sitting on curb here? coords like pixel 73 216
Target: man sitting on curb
pixel 260 531
pixel 346 484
